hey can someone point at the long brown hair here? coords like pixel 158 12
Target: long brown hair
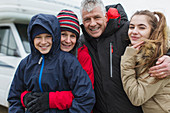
pixel 158 40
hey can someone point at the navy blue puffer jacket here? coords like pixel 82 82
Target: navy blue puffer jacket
pixel 60 70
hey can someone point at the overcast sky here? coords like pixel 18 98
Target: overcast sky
pixel 131 6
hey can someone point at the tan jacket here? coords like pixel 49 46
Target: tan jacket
pixel 153 95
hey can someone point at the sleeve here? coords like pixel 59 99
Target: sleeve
pixel 140 89
pixel 80 84
pixel 22 97
pixel 60 99
pixel 16 88
pixel 86 62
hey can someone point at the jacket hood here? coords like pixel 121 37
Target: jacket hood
pixel 113 24
pixel 51 24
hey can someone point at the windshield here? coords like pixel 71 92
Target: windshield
pixel 22 29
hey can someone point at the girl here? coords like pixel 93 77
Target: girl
pixel 148 36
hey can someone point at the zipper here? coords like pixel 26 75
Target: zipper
pixel 40 60
pixel 41 71
pixel 111 51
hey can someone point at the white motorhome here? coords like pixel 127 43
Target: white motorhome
pixel 14 46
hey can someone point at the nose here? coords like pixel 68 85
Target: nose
pixel 43 41
pixel 135 31
pixel 68 39
pixel 93 22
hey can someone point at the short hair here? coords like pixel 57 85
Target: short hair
pixel 89 5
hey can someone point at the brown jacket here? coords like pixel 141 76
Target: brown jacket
pixel 153 95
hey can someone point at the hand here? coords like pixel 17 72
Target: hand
pixel 138 45
pixel 40 104
pixel 162 68
pixel 28 98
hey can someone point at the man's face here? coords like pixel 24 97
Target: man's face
pixel 94 22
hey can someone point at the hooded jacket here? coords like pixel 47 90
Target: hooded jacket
pixel 55 71
pixel 106 55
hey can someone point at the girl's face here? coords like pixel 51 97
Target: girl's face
pixel 68 41
pixel 43 43
pixel 139 28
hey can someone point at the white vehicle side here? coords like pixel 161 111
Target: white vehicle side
pixel 11 52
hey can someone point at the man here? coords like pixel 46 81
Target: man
pixel 106 39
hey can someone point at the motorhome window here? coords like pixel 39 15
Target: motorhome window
pixel 7 43
pixel 22 29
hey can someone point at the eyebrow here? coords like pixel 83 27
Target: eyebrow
pixel 142 25
pixel 139 25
